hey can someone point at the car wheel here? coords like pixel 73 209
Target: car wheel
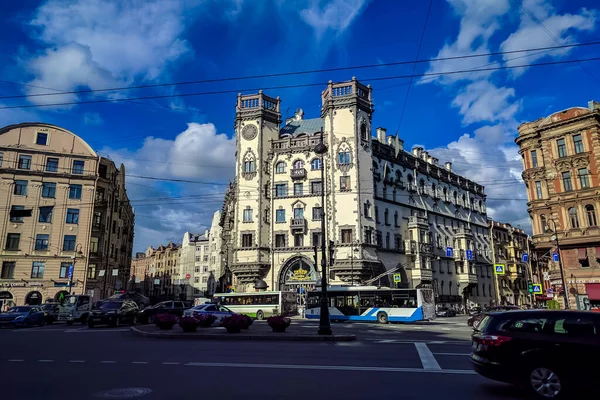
pixel 84 318
pixel 42 322
pixel 545 383
pixel 260 315
pixel 382 318
pixel 90 324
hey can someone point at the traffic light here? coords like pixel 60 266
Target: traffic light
pixel 530 286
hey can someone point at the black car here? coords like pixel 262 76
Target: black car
pixel 445 312
pixel 166 307
pixel 550 352
pixel 51 312
pixel 138 298
pixel 113 312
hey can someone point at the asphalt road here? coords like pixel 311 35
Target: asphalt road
pixel 58 362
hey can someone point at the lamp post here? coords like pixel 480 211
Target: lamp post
pixel 324 324
pixel 352 251
pixel 560 265
pixel 225 281
pixel 72 266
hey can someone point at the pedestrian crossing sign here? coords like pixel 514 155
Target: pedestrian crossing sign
pixel 397 278
pixel 499 269
pixel 537 288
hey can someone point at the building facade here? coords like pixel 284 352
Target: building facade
pixel 51 176
pixel 561 155
pixel 387 210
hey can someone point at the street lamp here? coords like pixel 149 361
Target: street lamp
pixel 560 265
pixel 324 324
pixel 72 266
pixel 352 251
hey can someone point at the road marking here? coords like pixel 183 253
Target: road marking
pixel 16 360
pixel 107 362
pixel 171 363
pixel 76 361
pixel 427 359
pixel 331 368
pixel 139 362
pixel 46 361
pixel 452 354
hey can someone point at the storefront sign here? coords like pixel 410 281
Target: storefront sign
pixel 16 284
pixel 584 280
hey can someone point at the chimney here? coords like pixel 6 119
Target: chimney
pixel 381 133
pixel 425 156
pixel 299 115
pixel 417 151
pixel 449 166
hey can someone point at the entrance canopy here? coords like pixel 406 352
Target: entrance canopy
pixel 296 272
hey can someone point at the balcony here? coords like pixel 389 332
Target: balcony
pixel 298 173
pixel 422 274
pixel 410 247
pixel 466 278
pixel 98 227
pixel 298 225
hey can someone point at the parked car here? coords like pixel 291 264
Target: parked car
pixel 51 311
pixel 218 311
pixel 23 316
pixel 549 351
pixel 139 299
pixel 476 319
pixel 113 312
pixel 445 312
pixel 475 311
pixel 166 307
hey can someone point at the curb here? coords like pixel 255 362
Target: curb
pixel 241 336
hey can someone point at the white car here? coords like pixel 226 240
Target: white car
pixel 218 311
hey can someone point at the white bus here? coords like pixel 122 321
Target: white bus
pixel 259 304
pixel 370 304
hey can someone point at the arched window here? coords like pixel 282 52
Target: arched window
pixel 398 176
pixel 298 164
pixel 367 209
pixel 386 216
pixel 280 168
pixel 591 215
pixel 573 217
pixel 394 193
pixel 315 164
pixel 422 186
pixel 249 166
pixel 454 197
pixel 409 178
pixel 363 132
pixel 445 194
pixel 396 218
pixel 543 224
pixel 464 200
pixel 344 157
pixel 433 189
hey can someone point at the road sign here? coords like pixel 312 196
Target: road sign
pixel 70 274
pixel 499 269
pixel 537 288
pixel 525 257
pixel 469 254
pixel 449 251
pixel 555 257
pixel 546 276
pixel 397 278
pixel 187 276
pixel 550 291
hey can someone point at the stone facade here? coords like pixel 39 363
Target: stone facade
pixel 387 210
pixel 561 154
pixel 156 272
pixel 58 176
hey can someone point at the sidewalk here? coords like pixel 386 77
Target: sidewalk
pixel 257 331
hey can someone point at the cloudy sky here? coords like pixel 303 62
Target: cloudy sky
pixel 468 118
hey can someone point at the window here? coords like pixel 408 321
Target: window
pixel 573 217
pixel 8 270
pixel 99 194
pixel 299 240
pixel 376 214
pixel 316 239
pixel 368 235
pixel 12 241
pixel 205 269
pixel 52 164
pixel 37 270
pixel 91 272
pixel 578 144
pixel 204 279
pixel 568 185
pixel 395 218
pixel 298 189
pixel 387 240
pixel 280 240
pixel 16 219
pixel 317 213
pixel 591 215
pixel 97 219
pixel 280 215
pixel 24 162
pixel 344 157
pixel 298 213
pixel 94 243
pixel 367 209
pixel 41 242
pixel 75 192
pixel 196 279
pixel 21 188
pixel 247 240
pixel 534 160
pixel 315 164
pixel 42 139
pixel 346 235
pixel 584 178
pixel 398 242
pixel 386 215
pixel 72 216
pixel 64 270
pixel 249 166
pixel 577 327
pixel 49 190
pixel 345 183
pixel 69 243
pixel 78 166
pixel 281 190
pixel 538 189
pixel 1 158
pixel 280 168
pixel 315 187
pixel 363 132
pixel 562 148
pixel 248 215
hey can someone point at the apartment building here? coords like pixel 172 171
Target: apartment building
pixel 561 155
pixel 156 272
pixel 50 178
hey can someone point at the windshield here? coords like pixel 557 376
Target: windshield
pixel 69 301
pixel 109 305
pixel 18 310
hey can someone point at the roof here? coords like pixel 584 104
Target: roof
pixel 564 115
pixel 297 127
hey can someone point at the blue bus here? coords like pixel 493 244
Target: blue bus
pixel 372 304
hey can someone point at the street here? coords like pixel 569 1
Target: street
pixel 58 361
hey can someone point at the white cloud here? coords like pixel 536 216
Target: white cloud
pixel 335 16
pixel 92 118
pixel 482 101
pixel 531 34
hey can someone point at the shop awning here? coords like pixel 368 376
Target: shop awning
pixel 593 290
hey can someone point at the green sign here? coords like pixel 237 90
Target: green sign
pixel 397 278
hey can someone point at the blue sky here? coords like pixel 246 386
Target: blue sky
pixel 469 119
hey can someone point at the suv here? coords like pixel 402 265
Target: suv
pixel 475 319
pixel 166 307
pixel 550 352
pixel 113 312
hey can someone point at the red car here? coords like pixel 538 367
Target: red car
pixel 475 320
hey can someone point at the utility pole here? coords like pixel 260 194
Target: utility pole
pixel 109 208
pixel 529 271
pixel 560 264
pixel 493 248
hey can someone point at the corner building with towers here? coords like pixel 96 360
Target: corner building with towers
pixel 388 211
